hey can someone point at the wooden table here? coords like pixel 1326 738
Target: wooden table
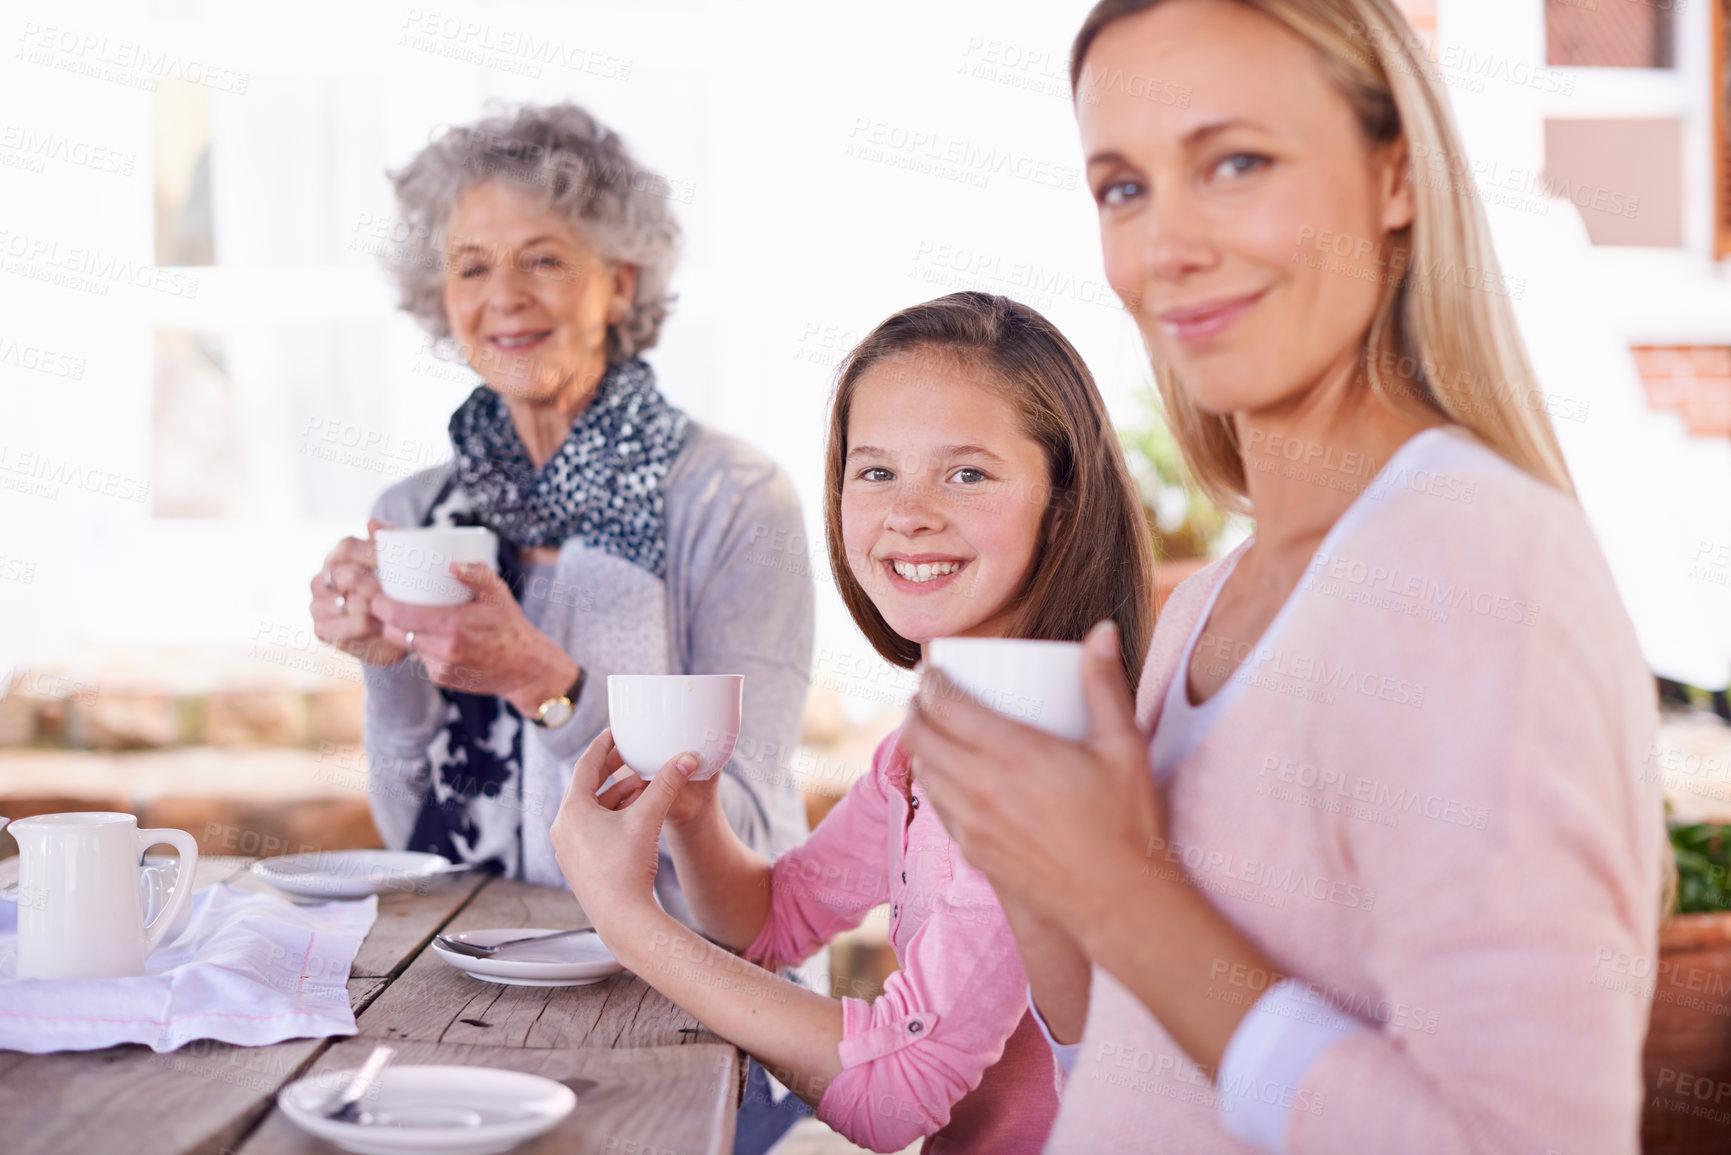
pixel 647 1077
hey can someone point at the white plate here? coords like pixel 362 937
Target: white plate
pixel 446 1110
pixel 563 962
pixel 350 873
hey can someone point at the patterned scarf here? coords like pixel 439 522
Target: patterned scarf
pixel 601 487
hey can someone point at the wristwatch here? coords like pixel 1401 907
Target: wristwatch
pixel 555 712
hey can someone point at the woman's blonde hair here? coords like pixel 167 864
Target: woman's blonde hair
pixel 1444 336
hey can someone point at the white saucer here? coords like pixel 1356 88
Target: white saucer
pixel 350 873
pixel 563 962
pixel 443 1110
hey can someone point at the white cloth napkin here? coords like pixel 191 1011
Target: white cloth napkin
pixel 250 968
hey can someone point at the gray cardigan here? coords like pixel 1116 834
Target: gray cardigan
pixel 734 601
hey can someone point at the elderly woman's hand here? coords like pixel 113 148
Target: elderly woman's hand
pixel 1045 819
pixel 485 646
pixel 343 595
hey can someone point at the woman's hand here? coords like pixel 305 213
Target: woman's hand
pixel 606 846
pixel 343 595
pixel 1048 821
pixel 1070 832
pixel 485 646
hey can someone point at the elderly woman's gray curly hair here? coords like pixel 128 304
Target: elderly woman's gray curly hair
pixel 621 209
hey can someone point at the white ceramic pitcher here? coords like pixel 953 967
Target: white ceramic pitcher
pixel 78 894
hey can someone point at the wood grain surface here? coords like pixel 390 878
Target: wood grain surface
pixel 648 1078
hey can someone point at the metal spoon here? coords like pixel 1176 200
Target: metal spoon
pixel 475 950
pixel 347 1109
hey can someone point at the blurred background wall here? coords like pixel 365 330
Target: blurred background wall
pixel 203 381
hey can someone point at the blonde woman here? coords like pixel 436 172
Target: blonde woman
pixel 1361 867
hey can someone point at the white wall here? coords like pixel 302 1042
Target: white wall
pixel 1655 493
pixel 801 130
pixel 795 248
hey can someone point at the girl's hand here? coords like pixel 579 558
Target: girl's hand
pixel 1050 822
pixel 606 846
pixel 485 646
pixel 698 803
pixel 343 595
pixel 694 806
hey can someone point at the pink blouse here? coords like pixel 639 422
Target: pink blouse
pixel 1427 798
pixel 949 1049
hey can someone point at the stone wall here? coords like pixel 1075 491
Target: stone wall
pixel 264 758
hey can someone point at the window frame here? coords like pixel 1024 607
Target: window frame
pixel 1721 94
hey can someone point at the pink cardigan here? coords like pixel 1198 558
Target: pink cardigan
pixel 1427 800
pixel 949 1049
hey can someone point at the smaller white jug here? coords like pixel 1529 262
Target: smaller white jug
pixel 79 915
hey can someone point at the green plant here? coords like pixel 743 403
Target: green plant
pixel 1181 519
pixel 1703 852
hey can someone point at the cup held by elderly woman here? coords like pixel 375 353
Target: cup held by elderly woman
pixel 621 523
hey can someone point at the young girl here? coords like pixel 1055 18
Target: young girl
pixel 974 488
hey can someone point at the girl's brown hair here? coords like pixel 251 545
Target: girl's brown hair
pixel 1441 342
pixel 1094 560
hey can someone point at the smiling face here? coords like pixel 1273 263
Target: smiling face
pixel 940 514
pixel 1219 213
pixel 526 297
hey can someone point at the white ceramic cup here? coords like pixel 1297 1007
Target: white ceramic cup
pixel 1038 683
pixel 656 717
pixel 79 905
pixel 414 565
pixel 157 878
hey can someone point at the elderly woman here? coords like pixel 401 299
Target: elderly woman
pixel 543 251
